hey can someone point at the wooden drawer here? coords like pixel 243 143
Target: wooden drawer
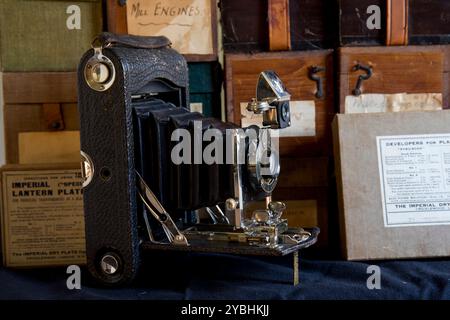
pixel 420 71
pixel 46 35
pixel 309 24
pixel 304 185
pixel 311 116
pixel 380 22
pixel 41 117
pixel 307 207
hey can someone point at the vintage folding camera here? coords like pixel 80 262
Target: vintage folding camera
pixel 149 182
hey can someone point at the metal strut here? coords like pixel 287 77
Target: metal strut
pixel 159 213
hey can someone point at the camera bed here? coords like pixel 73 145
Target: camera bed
pixel 203 246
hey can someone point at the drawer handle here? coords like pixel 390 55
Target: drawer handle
pixel 319 81
pixel 363 77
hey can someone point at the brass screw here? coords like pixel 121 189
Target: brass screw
pixel 231 204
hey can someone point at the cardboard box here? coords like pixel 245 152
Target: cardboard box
pixel 393 173
pixel 42 219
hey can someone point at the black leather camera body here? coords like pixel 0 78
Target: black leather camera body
pixel 134 112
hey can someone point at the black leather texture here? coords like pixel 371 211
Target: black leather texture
pixel 107 138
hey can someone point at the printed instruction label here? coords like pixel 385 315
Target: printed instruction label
pixel 303 119
pixel 415 179
pixel 399 102
pixel 43 221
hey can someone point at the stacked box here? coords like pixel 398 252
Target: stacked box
pixel 390 90
pixel 285 28
pixel 41 117
pixel 205 84
pixel 309 24
pixel 392 76
pixel 392 172
pixel 393 22
pixel 41 43
pixel 41 215
pixel 311 111
pixel 406 78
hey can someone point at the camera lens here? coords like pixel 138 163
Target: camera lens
pixel 285 111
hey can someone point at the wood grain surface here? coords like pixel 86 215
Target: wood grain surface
pixel 242 72
pixel 409 69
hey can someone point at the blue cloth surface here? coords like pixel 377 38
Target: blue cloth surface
pixel 240 278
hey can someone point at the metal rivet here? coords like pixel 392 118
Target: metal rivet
pixel 109 264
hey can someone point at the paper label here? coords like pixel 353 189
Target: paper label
pixel 415 179
pixel 400 102
pixel 303 119
pixel 187 23
pixel 42 218
pixel 196 107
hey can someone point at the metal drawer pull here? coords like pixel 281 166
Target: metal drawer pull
pixel 368 69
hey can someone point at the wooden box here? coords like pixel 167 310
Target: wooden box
pixel 392 171
pixel 304 185
pixel 190 25
pixel 46 35
pixel 41 117
pixel 2 133
pixel 407 78
pixel 311 113
pixel 305 150
pixel 260 25
pixel 394 22
pixel 42 220
pixel 205 84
